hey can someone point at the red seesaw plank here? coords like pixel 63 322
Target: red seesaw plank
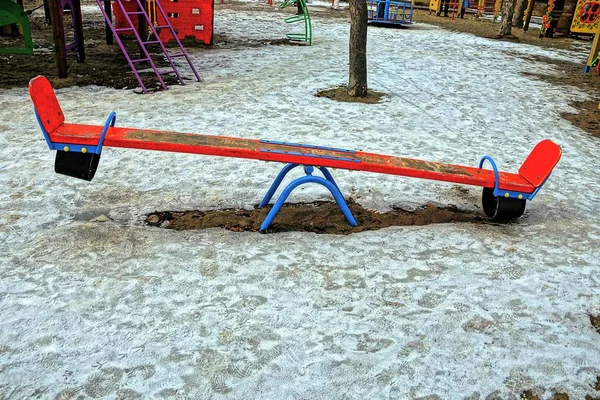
pixel 52 118
pixel 286 153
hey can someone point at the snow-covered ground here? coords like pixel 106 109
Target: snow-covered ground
pixel 120 310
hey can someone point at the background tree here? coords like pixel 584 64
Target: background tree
pixel 357 82
pixel 517 20
pixel 508 9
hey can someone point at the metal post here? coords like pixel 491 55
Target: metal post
pixel 528 14
pixel 142 28
pixel 78 30
pixel 108 11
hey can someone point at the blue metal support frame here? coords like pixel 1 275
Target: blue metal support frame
pixel 110 121
pixel 307 146
pixel 508 193
pixel 401 14
pixel 299 153
pixel 328 182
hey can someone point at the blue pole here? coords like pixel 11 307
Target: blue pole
pixel 284 171
pixel 387 9
pixel 337 195
pixel 328 176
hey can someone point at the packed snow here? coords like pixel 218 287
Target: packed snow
pixel 118 309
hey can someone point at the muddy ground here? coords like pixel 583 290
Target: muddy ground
pixel 318 217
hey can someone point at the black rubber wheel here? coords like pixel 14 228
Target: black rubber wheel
pixel 501 208
pixel 77 165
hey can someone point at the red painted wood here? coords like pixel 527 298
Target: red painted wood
pixel 536 168
pixel 46 103
pixel 251 148
pixel 540 162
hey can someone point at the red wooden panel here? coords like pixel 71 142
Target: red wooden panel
pixel 120 21
pixel 45 103
pixel 189 18
pixel 540 162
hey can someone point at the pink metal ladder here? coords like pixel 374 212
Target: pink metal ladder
pixel 143 44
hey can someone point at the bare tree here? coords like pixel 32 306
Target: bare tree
pixel 508 9
pixel 357 82
pixel 517 20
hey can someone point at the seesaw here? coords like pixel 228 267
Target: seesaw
pixel 78 148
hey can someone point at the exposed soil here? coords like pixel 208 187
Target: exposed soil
pixel 318 217
pixel 595 320
pixel 340 93
pixel 529 395
pixel 587 118
pixel 587 112
pixel 105 65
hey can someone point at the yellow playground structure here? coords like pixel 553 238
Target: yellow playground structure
pixel 490 8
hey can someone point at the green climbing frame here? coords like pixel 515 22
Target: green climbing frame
pixel 12 13
pixel 304 17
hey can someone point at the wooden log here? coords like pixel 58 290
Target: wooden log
pixel 528 15
pixel 58 33
pixel 78 28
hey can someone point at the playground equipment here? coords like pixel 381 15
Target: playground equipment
pixel 304 17
pixel 78 149
pixel 144 37
pixel 144 43
pixel 390 12
pixel 490 8
pixel 437 6
pixel 586 19
pixel 485 8
pixel 558 17
pixel 77 45
pixel 193 19
pixel 12 13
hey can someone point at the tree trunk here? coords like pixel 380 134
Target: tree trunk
pixel 357 83
pixel 517 20
pixel 508 9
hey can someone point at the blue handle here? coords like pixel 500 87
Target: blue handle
pixel 496 174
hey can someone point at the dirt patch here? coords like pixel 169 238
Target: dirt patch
pixel 318 217
pixel 587 118
pixel 340 93
pixel 587 114
pixel 529 395
pixel 595 320
pixel 597 385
